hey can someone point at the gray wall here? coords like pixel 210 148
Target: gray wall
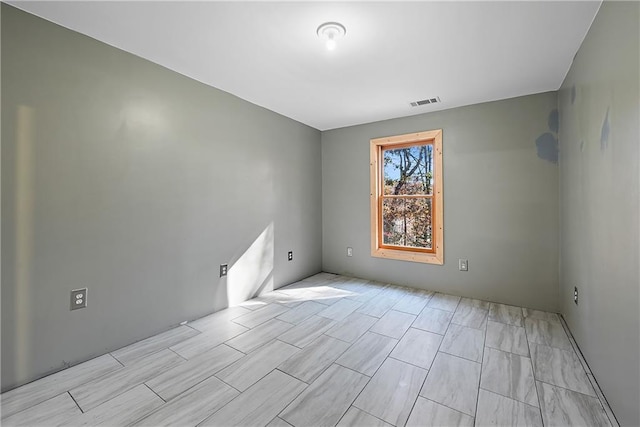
pixel 599 191
pixel 136 182
pixel 500 202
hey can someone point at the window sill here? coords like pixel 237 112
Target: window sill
pixel 427 258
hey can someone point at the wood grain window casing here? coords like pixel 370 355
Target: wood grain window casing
pixel 434 255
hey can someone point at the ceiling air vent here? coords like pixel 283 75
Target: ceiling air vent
pixel 426 101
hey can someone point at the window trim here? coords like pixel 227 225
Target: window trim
pixel 435 255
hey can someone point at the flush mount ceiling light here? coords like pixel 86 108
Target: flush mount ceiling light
pixel 330 32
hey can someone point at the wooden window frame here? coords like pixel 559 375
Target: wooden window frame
pixel 435 255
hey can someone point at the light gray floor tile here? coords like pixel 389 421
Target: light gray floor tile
pixel 281 298
pixel 121 410
pixel 417 347
pixel 333 292
pixel 464 342
pixel 547 333
pixel 340 310
pixel 213 337
pixel 560 367
pixel 211 321
pixel 366 295
pixel 172 382
pixel 413 302
pixel 378 305
pixel 55 411
pixel 393 324
pixel 507 338
pixel 475 303
pixel 357 418
pixel 561 407
pixel 53 385
pixel 429 413
pixel 542 315
pixel 444 302
pixel 192 406
pixel 326 400
pixel 392 391
pixel 353 327
pixel 506 314
pixel 250 369
pixel 324 277
pixel 253 304
pixel 510 375
pixel 453 382
pixel 433 320
pixel 261 315
pixel 310 362
pixel 395 292
pixel 278 422
pixel 136 351
pixel 259 336
pixel 470 316
pixel 301 312
pixel 496 410
pixel 260 403
pixel 96 392
pixel 603 401
pixel 368 353
pixel 306 332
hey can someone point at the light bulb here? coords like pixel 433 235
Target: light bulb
pixel 330 32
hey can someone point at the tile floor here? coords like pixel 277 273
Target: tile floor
pixel 331 350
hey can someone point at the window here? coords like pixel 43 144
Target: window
pixel 406 197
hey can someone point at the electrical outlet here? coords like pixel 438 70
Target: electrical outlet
pixel 463 265
pixel 575 294
pixel 290 256
pixel 78 299
pixel 349 251
pixel 223 270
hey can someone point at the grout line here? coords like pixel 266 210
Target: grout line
pixel 179 355
pixel 449 407
pixel 510 397
pixel 74 401
pixel 116 359
pixel 568 389
pixel 484 342
pixel 153 391
pixel 535 382
pixel 239 392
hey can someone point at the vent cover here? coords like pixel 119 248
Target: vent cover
pixel 427 101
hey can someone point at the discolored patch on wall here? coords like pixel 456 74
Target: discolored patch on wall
pixel 547 147
pixel 605 132
pixel 582 145
pixel 547 143
pixel 573 94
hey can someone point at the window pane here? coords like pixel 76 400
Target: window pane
pixel 408 170
pixel 407 222
pixel 419 221
pixel 393 231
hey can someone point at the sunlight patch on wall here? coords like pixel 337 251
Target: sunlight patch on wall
pixel 252 273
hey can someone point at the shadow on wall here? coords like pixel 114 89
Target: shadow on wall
pixel 547 143
pixel 252 273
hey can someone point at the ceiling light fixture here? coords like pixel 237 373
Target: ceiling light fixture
pixel 330 32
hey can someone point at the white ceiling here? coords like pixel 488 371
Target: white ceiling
pixel 393 53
